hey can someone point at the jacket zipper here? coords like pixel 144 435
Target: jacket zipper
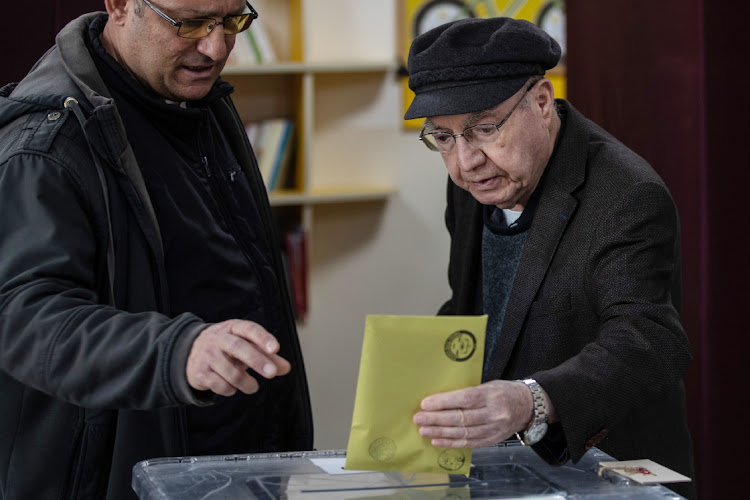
pixel 204 162
pixel 214 183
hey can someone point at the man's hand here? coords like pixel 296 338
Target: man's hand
pixel 223 352
pixel 476 416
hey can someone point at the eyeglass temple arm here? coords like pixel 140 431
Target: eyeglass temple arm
pixel 163 15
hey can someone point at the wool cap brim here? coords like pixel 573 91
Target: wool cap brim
pixel 467 97
pixel 475 64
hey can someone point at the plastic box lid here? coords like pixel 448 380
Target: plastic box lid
pixel 505 471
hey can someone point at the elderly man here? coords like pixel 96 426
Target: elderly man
pixel 568 240
pixel 143 306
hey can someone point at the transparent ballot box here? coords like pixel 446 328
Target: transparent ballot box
pixel 505 471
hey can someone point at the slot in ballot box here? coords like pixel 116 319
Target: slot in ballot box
pixel 505 471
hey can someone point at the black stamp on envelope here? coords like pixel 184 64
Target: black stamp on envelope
pixel 451 459
pixel 382 449
pixel 460 345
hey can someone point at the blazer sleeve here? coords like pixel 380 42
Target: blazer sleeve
pixel 639 351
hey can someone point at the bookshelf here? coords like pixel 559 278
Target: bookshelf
pixel 310 49
pixel 369 196
pixel 294 82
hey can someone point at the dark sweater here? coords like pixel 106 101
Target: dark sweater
pixel 501 252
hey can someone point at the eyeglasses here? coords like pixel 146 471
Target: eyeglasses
pixel 202 26
pixel 476 135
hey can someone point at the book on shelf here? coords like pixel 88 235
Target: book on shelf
pixel 260 43
pixel 273 144
pixel 295 260
pixel 242 53
pixel 283 156
pixel 251 47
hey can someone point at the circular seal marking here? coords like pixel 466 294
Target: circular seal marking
pixel 451 459
pixel 383 449
pixel 460 345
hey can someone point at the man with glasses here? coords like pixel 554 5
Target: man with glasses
pixel 568 241
pixel 143 306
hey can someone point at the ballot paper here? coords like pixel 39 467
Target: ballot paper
pixel 404 359
pixel 643 471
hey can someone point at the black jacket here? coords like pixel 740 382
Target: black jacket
pixel 593 314
pixel 89 389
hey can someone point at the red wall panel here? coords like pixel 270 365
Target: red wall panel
pixel 668 79
pixel 30 29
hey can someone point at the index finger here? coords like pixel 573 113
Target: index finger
pixel 460 398
pixel 256 334
pixel 259 353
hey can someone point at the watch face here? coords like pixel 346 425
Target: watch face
pixel 535 434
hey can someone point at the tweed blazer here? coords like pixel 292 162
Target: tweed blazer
pixel 593 313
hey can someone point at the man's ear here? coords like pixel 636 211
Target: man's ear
pixel 118 9
pixel 545 97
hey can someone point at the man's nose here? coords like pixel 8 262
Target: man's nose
pixel 468 156
pixel 214 45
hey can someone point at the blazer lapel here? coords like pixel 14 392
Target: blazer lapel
pixel 555 209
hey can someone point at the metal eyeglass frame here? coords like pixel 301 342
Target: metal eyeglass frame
pixel 210 27
pixel 432 147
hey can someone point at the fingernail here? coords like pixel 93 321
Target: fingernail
pixel 269 370
pixel 271 347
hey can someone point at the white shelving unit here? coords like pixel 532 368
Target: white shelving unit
pixel 344 194
pixel 304 77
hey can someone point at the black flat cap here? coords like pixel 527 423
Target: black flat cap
pixel 474 64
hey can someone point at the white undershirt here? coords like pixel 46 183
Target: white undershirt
pixel 511 216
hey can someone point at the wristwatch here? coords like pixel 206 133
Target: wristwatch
pixel 538 427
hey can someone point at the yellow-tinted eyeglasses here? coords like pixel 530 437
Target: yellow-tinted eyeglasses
pixel 202 26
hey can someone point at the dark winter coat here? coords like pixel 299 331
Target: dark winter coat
pixel 88 388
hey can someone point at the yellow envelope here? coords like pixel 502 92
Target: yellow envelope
pixel 404 359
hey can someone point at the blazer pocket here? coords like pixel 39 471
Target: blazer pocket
pixel 550 305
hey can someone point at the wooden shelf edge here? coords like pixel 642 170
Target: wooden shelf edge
pixel 346 194
pixel 289 67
